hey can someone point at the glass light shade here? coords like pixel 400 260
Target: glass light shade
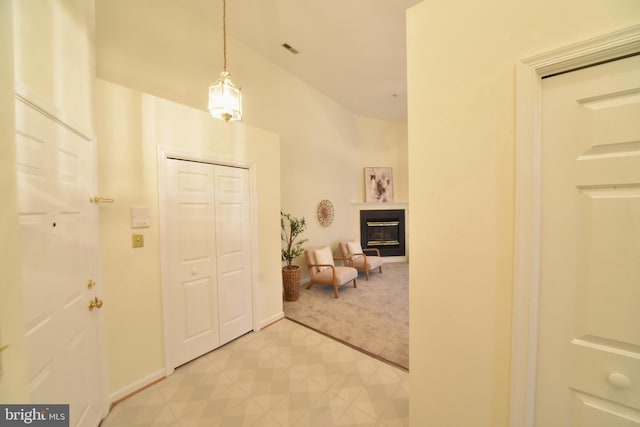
pixel 225 100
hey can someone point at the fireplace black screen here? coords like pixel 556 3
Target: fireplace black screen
pixel 383 229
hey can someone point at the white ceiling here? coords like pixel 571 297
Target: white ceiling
pixel 351 50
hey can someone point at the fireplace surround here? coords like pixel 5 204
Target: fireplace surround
pixel 383 229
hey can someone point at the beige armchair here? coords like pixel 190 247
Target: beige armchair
pixel 357 257
pixel 323 271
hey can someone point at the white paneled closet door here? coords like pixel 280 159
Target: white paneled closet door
pixel 209 291
pixel 193 298
pixel 234 251
pixel 588 363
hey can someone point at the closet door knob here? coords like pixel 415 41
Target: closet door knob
pixel 619 381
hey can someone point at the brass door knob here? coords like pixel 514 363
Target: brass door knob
pixel 95 303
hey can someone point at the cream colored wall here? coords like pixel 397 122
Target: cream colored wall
pixel 384 143
pixel 55 54
pixel 461 163
pixel 324 148
pixel 130 128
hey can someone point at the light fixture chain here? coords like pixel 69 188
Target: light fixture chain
pixel 225 99
pixel 224 33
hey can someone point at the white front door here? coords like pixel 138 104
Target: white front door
pixel 58 231
pixel 234 251
pixel 588 363
pixel 209 286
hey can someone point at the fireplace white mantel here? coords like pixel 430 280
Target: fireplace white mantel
pixel 381 206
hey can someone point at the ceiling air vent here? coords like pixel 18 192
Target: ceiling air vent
pixel 290 48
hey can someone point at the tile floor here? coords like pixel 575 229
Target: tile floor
pixel 283 375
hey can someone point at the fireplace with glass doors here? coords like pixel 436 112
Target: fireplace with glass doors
pixel 384 230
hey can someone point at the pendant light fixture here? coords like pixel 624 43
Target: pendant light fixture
pixel 225 99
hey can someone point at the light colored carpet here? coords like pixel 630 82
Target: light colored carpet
pixel 373 317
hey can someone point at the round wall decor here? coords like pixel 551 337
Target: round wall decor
pixel 325 213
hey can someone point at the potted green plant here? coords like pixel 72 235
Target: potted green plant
pixel 290 229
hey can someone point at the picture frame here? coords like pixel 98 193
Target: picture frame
pixel 378 184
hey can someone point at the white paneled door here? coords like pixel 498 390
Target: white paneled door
pixel 193 297
pixel 209 290
pixel 58 235
pixel 234 252
pixel 588 368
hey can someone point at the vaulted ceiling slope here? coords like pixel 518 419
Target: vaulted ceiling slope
pixel 351 50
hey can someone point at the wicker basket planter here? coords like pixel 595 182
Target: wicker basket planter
pixel 291 282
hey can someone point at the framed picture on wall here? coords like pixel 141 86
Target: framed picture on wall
pixel 378 185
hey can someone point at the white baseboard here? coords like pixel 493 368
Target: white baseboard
pixel 136 386
pixel 269 320
pixel 389 259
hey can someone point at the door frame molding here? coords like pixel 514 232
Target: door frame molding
pixel 527 247
pixel 165 153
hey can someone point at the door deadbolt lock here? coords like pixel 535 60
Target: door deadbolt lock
pixel 91 283
pixel 95 303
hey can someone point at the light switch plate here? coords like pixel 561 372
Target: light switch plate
pixel 137 240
